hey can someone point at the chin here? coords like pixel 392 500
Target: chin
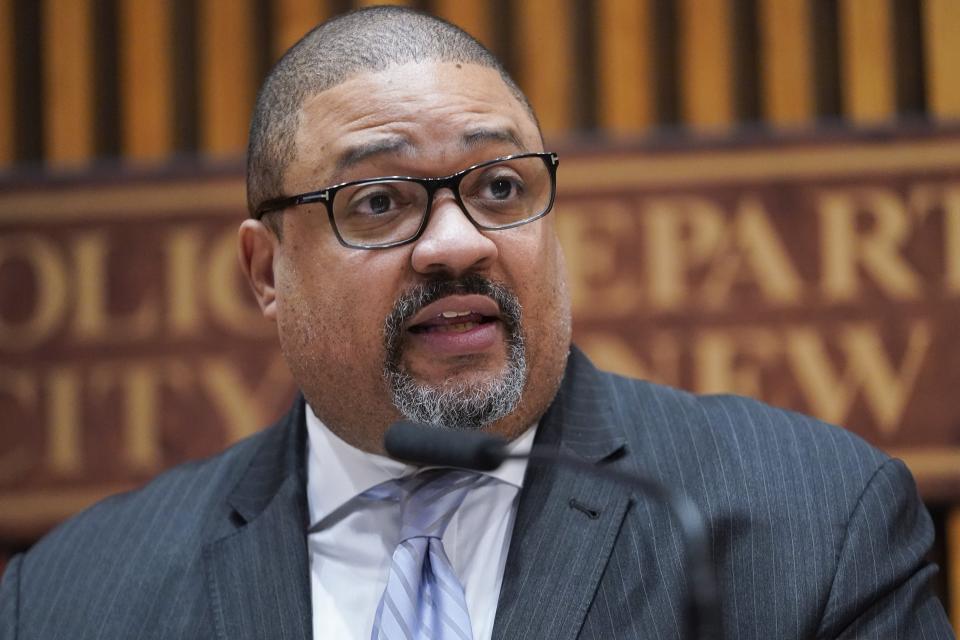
pixel 468 400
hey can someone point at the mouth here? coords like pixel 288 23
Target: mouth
pixel 455 314
pixel 457 324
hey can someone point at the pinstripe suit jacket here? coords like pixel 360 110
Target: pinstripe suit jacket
pixel 814 534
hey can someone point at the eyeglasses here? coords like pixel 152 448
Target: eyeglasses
pixel 380 213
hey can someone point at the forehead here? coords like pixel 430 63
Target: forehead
pixel 430 113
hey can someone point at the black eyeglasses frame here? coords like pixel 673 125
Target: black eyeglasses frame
pixel 432 185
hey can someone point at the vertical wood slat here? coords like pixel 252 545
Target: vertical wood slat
pixel 941 26
pixel 544 45
pixel 473 16
pixel 866 61
pixel 8 104
pixel 291 21
pixel 706 63
pixel 227 82
pixel 146 79
pixel 68 82
pixel 624 35
pixel 786 59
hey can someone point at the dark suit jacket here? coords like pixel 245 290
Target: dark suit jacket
pixel 814 534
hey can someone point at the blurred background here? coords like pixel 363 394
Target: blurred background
pixel 758 196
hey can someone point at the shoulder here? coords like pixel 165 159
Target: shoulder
pixel 166 521
pixel 181 493
pixel 734 450
pixel 734 425
pixel 136 560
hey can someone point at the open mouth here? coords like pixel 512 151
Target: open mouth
pixel 466 321
pixel 453 322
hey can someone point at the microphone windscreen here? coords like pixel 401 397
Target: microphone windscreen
pixel 425 445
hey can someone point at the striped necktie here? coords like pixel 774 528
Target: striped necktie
pixel 424 598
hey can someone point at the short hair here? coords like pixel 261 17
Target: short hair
pixel 365 40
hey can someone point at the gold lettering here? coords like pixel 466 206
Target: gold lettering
pixel 735 361
pixel 613 353
pixel 64 455
pixel 867 368
pixel 244 408
pixel 757 246
pixel 591 240
pixel 878 250
pixel 231 303
pixel 951 240
pixel 139 385
pixel 183 265
pixel 21 386
pixel 92 320
pixel 681 233
pixel 50 278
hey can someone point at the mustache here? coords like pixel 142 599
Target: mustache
pixel 417 297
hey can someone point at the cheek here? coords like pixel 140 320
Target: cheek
pixel 332 312
pixel 538 271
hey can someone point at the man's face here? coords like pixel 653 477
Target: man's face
pixel 443 316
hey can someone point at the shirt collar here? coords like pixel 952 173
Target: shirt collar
pixel 337 471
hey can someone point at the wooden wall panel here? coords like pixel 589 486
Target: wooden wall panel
pixel 941 26
pixel 227 75
pixel 146 79
pixel 68 82
pixel 786 62
pixel 706 63
pixel 866 67
pixel 7 85
pixel 546 67
pixel 291 21
pixel 624 37
pixel 473 16
pixel 621 67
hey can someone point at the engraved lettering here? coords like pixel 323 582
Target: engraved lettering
pixel 867 368
pixel 682 233
pixel 50 302
pixel 877 250
pixel 92 320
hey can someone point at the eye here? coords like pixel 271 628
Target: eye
pixel 501 186
pixel 376 201
pixel 379 203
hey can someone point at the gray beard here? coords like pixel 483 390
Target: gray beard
pixel 454 405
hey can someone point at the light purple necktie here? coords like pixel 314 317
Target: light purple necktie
pixel 424 598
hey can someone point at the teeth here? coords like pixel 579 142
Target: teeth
pixel 460 327
pixel 454 314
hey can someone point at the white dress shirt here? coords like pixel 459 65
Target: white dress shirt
pixel 351 542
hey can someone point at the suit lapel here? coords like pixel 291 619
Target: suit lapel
pixel 258 575
pixel 566 522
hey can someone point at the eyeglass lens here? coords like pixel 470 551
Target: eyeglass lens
pixel 495 195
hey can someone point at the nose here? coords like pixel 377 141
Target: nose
pixel 451 244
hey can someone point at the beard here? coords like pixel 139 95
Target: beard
pixel 452 404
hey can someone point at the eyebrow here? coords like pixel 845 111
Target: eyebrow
pixel 398 144
pixel 355 155
pixel 478 137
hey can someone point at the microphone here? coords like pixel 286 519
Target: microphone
pixel 420 444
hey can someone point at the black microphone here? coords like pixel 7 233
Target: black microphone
pixel 421 444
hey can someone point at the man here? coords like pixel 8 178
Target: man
pixel 444 301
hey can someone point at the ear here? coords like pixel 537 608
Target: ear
pixel 257 246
